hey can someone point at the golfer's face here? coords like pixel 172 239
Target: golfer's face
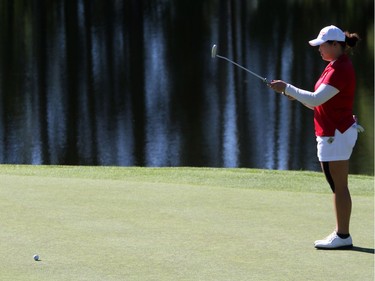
pixel 327 51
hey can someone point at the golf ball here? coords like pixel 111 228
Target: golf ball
pixel 36 257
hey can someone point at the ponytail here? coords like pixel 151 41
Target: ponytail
pixel 351 39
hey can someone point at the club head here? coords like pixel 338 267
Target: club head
pixel 213 51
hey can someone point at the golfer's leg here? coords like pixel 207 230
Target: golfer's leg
pixel 341 198
pixel 327 173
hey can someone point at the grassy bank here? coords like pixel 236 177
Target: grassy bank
pixel 111 223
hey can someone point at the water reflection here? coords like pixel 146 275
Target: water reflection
pixel 132 83
pixel 162 137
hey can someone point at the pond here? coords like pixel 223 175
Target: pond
pixel 133 83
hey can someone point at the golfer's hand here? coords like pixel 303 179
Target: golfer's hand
pixel 278 86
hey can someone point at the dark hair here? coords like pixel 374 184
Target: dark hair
pixel 351 39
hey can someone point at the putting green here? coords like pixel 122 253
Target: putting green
pixel 96 223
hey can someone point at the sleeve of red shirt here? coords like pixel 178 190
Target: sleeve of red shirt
pixel 335 78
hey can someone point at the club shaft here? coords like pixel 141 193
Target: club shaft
pixel 240 66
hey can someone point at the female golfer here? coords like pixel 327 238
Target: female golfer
pixel 335 126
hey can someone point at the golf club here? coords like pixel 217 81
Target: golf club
pixel 215 55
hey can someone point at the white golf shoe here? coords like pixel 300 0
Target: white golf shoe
pixel 333 241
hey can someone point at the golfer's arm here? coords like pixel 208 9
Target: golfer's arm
pixel 312 99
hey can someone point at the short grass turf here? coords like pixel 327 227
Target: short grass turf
pixel 113 223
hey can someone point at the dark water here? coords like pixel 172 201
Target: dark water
pixel 133 82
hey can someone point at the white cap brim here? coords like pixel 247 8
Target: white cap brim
pixel 316 42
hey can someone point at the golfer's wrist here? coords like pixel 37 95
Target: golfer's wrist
pixel 289 90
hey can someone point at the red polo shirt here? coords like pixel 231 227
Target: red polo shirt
pixel 337 112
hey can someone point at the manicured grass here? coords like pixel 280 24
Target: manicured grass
pixel 112 223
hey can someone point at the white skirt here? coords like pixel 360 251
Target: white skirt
pixel 338 147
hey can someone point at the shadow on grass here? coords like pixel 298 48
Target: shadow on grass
pixel 363 250
pixel 354 249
